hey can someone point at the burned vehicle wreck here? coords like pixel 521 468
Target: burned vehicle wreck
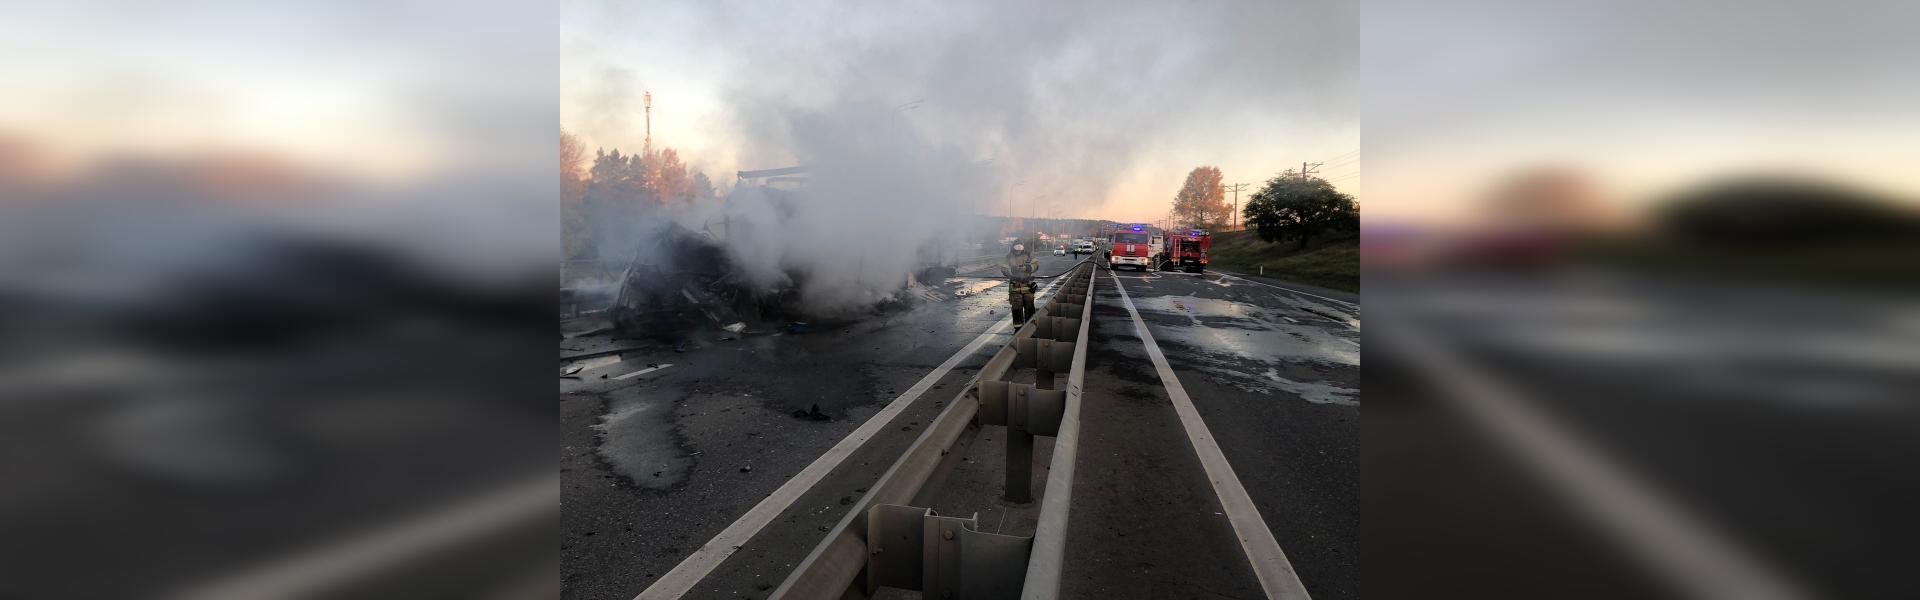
pixel 680 278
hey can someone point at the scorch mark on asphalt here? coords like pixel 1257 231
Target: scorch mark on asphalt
pixel 697 566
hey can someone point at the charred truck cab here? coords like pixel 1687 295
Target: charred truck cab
pixel 1189 251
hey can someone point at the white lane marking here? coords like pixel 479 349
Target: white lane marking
pixel 1290 319
pixel 1263 551
pixel 698 565
pixel 443 529
pixel 642 372
pixel 1679 548
pixel 1355 344
pixel 1291 290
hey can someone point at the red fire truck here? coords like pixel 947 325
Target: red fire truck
pixel 1189 250
pixel 1134 245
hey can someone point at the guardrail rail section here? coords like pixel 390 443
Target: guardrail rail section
pixel 886 542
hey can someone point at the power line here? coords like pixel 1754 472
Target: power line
pixel 1233 219
pixel 1347 170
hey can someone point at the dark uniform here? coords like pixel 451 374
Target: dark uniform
pixel 1019 268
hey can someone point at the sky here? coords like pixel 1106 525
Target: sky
pixel 385 92
pixel 1646 98
pixel 1072 109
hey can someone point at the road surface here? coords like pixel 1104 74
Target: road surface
pixel 1600 435
pixel 658 464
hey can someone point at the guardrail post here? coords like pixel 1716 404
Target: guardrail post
pixel 914 548
pixel 904 547
pixel 1019 447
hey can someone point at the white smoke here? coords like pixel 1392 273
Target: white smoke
pixel 912 115
pixel 879 202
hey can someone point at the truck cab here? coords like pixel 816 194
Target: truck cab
pixel 1189 250
pixel 1133 246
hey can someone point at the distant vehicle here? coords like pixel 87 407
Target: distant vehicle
pixel 1135 245
pixel 1082 247
pixel 1059 250
pixel 1189 251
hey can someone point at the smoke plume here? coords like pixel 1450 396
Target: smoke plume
pixel 911 115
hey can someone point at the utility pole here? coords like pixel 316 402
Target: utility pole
pixel 648 101
pixel 1308 169
pixel 1233 219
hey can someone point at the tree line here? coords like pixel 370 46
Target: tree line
pixel 1289 207
pixel 611 191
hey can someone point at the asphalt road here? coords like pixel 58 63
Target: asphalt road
pixel 1729 421
pixel 655 465
pixel 1274 374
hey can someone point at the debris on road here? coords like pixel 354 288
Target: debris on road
pixel 812 414
pixel 736 327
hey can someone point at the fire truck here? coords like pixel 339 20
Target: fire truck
pixel 1189 250
pixel 1136 245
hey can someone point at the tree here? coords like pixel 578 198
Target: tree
pixel 617 195
pixel 702 188
pixel 574 236
pixel 1201 201
pixel 669 176
pixel 1775 211
pixel 1292 207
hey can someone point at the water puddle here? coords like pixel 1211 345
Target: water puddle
pixel 1316 392
pixel 1246 344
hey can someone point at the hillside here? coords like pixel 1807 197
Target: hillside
pixel 1332 262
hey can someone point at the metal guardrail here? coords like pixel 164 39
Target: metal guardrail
pixel 897 545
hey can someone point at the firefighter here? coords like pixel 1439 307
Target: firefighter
pixel 1019 269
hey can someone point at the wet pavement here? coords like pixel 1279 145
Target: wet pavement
pixel 1275 376
pixel 1751 411
pixel 656 464
pixel 659 463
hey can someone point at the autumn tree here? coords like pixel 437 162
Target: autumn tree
pixel 1294 207
pixel 670 181
pixel 1201 202
pixel 601 206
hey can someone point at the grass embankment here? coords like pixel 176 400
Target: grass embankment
pixel 1332 261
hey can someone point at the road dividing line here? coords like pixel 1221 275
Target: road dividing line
pixel 641 372
pixel 1263 551
pixel 698 565
pixel 1669 541
pixel 1290 319
pixel 438 532
pixel 1356 306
